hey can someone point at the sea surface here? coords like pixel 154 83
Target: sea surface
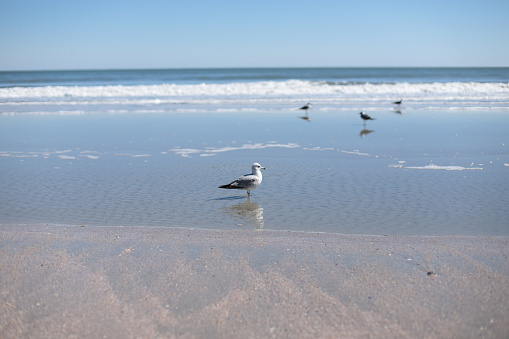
pixel 151 147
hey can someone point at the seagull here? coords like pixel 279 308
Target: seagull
pixel 247 182
pixel 306 107
pixel 398 102
pixel 365 117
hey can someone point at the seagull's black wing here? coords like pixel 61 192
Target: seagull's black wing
pixel 242 182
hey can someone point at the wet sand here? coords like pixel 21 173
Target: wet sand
pixel 126 282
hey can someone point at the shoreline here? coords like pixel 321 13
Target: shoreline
pixel 94 281
pixel 65 226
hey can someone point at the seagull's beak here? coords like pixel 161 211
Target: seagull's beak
pixel 262 167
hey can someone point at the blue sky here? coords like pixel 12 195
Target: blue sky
pixel 104 34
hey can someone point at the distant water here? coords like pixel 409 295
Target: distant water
pixel 220 76
pixel 151 147
pixel 252 90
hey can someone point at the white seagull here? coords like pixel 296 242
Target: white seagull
pixel 247 182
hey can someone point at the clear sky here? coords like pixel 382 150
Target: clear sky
pixel 104 34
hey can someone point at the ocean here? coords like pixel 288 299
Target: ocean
pixel 251 90
pixel 150 148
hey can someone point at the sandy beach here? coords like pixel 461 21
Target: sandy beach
pixel 62 281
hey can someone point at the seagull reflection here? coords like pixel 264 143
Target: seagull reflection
pixel 398 111
pixel 251 212
pixel 365 132
pixel 308 119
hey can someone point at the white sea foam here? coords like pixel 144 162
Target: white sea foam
pixel 66 157
pixel 447 168
pixel 249 97
pixel 92 157
pixel 357 152
pixel 210 151
pixel 183 152
pixel 317 148
pixel 262 88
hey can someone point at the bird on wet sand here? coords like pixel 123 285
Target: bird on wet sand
pixel 247 182
pixel 306 106
pixel 365 117
pixel 398 102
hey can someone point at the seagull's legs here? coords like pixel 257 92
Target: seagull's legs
pixel 248 194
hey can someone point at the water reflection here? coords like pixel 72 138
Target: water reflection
pixel 308 119
pixel 365 131
pixel 250 212
pixel 397 109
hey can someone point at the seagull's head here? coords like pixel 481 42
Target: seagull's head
pixel 257 166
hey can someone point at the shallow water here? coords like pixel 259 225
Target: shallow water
pixel 408 173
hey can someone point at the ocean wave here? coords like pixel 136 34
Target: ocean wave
pixel 259 96
pixel 262 88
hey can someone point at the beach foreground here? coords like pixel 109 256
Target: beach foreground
pixel 124 282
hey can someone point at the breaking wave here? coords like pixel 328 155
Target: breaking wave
pixel 253 96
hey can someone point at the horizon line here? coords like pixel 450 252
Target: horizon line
pixel 232 68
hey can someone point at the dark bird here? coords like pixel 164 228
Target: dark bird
pixel 247 182
pixel 365 117
pixel 398 102
pixel 306 107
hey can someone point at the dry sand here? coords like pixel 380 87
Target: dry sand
pixel 135 282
